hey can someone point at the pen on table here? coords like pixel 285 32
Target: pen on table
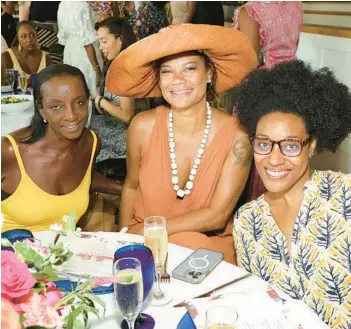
pixel 208 293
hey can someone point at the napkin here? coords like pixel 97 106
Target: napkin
pixel 258 309
pixel 69 286
pixel 186 322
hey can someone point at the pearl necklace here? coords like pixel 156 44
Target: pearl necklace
pixel 175 180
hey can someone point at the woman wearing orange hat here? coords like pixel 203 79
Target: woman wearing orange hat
pixel 186 161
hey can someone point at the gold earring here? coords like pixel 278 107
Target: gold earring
pixel 19 47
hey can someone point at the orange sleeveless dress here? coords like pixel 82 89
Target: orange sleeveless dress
pixel 155 195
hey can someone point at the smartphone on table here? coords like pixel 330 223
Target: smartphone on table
pixel 196 267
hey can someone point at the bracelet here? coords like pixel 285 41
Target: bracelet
pixel 99 102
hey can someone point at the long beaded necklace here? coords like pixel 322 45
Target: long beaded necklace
pixel 190 182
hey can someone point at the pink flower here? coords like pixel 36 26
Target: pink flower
pixel 16 280
pixel 38 312
pixel 52 294
pixel 9 317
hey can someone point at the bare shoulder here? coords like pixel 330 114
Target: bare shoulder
pixel 8 156
pixel 49 60
pixel 220 119
pixel 143 123
pixel 241 147
pixel 6 59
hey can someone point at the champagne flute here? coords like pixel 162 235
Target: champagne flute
pixel 221 317
pixel 156 238
pixel 10 77
pixel 128 288
pixel 23 81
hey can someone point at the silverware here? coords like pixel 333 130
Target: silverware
pixel 208 293
pixel 165 277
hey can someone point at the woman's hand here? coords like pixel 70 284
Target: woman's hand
pixel 97 101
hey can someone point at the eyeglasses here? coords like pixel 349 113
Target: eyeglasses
pixel 288 147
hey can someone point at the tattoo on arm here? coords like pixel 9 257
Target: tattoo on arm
pixel 242 151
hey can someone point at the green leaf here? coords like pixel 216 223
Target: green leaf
pixel 47 274
pixel 39 286
pixel 91 309
pixel 85 317
pixel 96 299
pixel 78 324
pixel 29 255
pixel 22 318
pixel 72 317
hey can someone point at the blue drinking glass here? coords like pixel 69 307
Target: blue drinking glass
pixel 18 234
pixel 144 255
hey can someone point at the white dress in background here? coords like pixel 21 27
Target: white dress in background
pixel 76 30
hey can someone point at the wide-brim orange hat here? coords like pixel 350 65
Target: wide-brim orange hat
pixel 133 74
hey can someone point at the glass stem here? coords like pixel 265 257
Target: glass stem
pixel 158 293
pixel 130 324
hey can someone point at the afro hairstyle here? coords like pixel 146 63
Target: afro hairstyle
pixel 293 87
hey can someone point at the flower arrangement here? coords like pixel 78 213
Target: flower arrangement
pixel 29 297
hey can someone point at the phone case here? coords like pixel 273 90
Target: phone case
pixel 196 267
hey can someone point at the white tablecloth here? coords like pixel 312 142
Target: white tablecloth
pixel 167 316
pixel 12 122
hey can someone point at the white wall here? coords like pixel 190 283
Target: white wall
pixel 335 53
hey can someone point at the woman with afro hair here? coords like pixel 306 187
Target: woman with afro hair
pixel 297 235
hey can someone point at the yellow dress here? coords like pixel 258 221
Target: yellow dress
pixel 17 66
pixel 319 268
pixel 32 208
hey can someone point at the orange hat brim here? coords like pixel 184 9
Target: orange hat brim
pixel 132 73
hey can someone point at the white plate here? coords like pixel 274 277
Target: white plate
pixel 17 107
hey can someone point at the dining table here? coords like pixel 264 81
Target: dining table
pixel 247 292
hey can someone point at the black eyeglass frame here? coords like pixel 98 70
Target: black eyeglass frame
pixel 303 144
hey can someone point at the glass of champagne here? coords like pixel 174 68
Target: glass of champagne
pixel 128 288
pixel 23 81
pixel 10 77
pixel 156 238
pixel 221 317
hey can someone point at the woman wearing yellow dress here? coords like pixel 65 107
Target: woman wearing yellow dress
pixel 297 235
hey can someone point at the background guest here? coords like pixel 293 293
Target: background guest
pixel 8 23
pixel 273 27
pixel 26 57
pixel 77 34
pixel 101 9
pixel 43 15
pixel 197 12
pixel 149 18
pixel 115 112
